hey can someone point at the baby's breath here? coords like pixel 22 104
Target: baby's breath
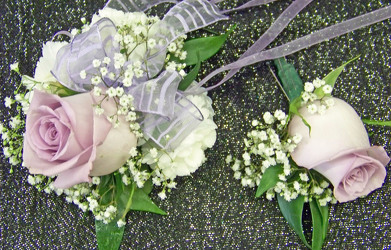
pixel 269 145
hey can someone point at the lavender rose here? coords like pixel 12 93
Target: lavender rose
pixel 338 148
pixel 65 137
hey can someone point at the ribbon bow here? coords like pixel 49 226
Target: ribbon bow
pixel 167 116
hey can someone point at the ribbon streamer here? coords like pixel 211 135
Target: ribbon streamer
pixel 168 116
pixel 135 5
pixel 249 4
pixel 275 29
pixel 301 43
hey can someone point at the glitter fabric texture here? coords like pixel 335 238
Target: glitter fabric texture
pixel 211 209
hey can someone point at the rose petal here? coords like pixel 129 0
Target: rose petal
pixel 339 169
pixel 77 174
pixel 114 151
pixel 338 130
pixel 81 122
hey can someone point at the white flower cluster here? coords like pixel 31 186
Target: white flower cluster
pixel 303 182
pixel 189 155
pixel 86 195
pixel 269 145
pixel 125 109
pixel 12 132
pixel 176 49
pixel 139 35
pixel 132 171
pixel 266 146
pixel 309 96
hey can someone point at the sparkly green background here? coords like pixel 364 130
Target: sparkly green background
pixel 211 209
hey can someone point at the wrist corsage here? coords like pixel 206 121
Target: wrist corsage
pixel 106 116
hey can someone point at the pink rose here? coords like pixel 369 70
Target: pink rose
pixel 338 148
pixel 65 137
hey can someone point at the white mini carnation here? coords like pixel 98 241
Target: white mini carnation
pixel 47 61
pixel 189 155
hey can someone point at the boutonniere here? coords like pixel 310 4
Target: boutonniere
pixel 107 116
pixel 317 153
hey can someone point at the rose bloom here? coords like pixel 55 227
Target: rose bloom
pixel 65 137
pixel 338 148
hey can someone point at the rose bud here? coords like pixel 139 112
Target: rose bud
pixel 65 137
pixel 338 148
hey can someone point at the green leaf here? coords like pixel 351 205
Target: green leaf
pixel 190 77
pixel 119 186
pixel 205 46
pixel 293 212
pixel 377 123
pixel 319 223
pixel 331 78
pixel 124 200
pixel 142 202
pixel 269 179
pixel 294 107
pixel 148 186
pixel 106 189
pixel 109 236
pixel 290 79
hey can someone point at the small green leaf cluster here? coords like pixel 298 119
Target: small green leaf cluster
pixel 193 53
